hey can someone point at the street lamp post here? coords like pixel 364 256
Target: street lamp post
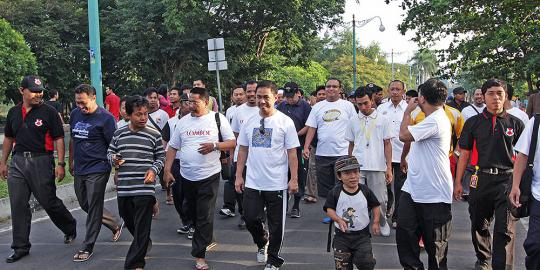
pixel 94 50
pixel 361 24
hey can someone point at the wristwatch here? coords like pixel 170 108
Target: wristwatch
pixel 62 164
pixel 215 146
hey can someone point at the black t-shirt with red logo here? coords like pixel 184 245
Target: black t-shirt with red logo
pixel 494 137
pixel 35 130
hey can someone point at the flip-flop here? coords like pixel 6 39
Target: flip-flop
pixel 309 199
pixel 118 232
pixel 201 266
pixel 82 256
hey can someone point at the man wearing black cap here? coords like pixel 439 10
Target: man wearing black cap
pixel 377 93
pixel 36 127
pixel 458 102
pixel 298 110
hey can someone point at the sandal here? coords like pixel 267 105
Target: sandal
pixel 309 199
pixel 82 255
pixel 169 200
pixel 201 266
pixel 118 232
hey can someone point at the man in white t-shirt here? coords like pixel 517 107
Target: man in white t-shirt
pixel 238 97
pixel 242 113
pixel 425 203
pixel 515 111
pixel 329 120
pixel 476 107
pixel 196 137
pixel 394 110
pixel 532 242
pixel 369 135
pixel 268 142
pixel 158 116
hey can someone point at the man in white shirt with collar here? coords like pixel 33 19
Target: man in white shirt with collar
pixel 329 119
pixel 394 110
pixel 476 107
pixel 369 136
pixel 425 203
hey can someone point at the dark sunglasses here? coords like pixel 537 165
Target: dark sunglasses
pixel 261 128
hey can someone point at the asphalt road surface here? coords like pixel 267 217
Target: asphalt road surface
pixel 304 246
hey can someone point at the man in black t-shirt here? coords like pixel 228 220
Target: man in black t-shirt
pixel 36 128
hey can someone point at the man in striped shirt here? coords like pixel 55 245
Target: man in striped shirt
pixel 136 151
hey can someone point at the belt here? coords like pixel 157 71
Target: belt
pixel 496 171
pixel 32 154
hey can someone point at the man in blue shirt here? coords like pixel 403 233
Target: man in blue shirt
pixel 92 128
pixel 298 110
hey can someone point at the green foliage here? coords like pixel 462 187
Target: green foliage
pixel 307 78
pixel 16 61
pixel 489 38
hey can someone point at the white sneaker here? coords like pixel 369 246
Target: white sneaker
pixel 226 212
pixel 262 255
pixel 270 267
pixel 385 230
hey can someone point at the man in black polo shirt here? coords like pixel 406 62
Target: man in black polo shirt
pixel 494 132
pixel 36 127
pixel 298 110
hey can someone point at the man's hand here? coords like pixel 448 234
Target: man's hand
pixel 293 186
pixel 239 184
pixel 59 173
pixel 458 190
pixel 149 176
pixel 389 175
pixel 168 178
pixel 342 225
pixel 306 151
pixel 3 171
pixel 206 148
pixel 71 170
pixel 411 106
pixel 404 165
pixel 514 196
pixel 118 161
pixel 376 228
pixel 115 178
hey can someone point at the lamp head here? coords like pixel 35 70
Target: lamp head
pixel 382 28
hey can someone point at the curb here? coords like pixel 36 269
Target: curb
pixel 66 193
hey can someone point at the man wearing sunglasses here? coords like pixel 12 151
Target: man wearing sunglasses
pixel 36 127
pixel 268 142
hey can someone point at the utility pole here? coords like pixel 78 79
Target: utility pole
pixel 354 51
pixel 95 50
pixel 393 77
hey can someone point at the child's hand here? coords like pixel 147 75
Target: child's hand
pixel 376 228
pixel 342 225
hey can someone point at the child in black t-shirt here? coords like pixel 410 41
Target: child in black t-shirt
pixel 348 205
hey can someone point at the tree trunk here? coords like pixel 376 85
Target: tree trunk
pixel 529 82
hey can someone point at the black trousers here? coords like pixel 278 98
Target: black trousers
pixel 201 197
pixel 255 202
pixel 326 176
pixel 137 214
pixel 302 176
pixel 489 199
pixel 179 198
pixel 399 180
pixel 532 242
pixel 231 198
pixel 353 248
pixel 34 175
pixel 432 221
pixel 90 192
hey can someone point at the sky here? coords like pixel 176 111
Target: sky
pixel 392 15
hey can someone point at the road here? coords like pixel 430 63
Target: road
pixel 304 246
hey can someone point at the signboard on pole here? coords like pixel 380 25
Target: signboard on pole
pixel 216 61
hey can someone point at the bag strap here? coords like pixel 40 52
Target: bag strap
pixel 218 123
pixel 154 123
pixel 474 108
pixel 534 140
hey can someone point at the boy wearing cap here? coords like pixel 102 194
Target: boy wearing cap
pixel 458 102
pixel 348 204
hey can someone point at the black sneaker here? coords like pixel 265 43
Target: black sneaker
pixel 295 213
pixel 190 233
pixel 183 230
pixel 226 212
pixel 242 224
pixel 69 238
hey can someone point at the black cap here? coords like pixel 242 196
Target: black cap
pixel 290 89
pixel 32 83
pixel 373 88
pixel 459 90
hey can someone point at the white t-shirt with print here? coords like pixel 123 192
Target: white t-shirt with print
pixel 231 111
pixel 519 114
pixel 429 179
pixel 267 162
pixel 189 133
pixel 469 111
pixel 368 134
pixel 331 120
pixel 242 113
pixel 395 115
pixel 160 117
pixel 523 145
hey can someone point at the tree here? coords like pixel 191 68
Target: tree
pixel 489 38
pixel 307 78
pixel 425 63
pixel 16 61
